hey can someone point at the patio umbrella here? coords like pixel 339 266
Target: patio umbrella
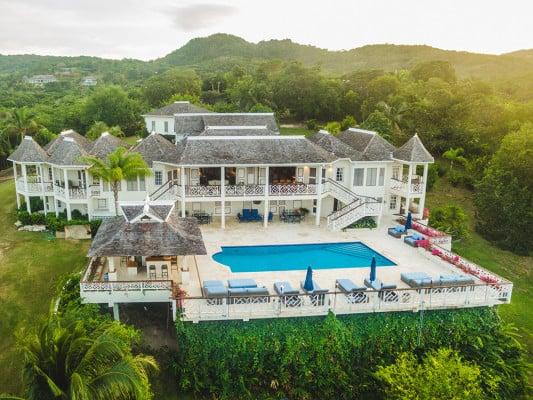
pixel 373 269
pixel 409 221
pixel 308 284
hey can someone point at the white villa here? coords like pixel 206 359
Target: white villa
pixel 227 167
pixel 40 80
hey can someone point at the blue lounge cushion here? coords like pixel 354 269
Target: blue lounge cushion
pixel 399 229
pixel 238 292
pixel 215 291
pixel 347 286
pixel 241 283
pixel 378 285
pixel 285 287
pixel 456 280
pixel 317 289
pixel 258 291
pixel 212 283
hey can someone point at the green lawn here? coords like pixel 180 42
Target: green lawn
pixel 511 266
pixel 131 140
pixel 30 266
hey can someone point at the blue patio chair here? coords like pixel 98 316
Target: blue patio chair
pixel 397 231
pixel 412 239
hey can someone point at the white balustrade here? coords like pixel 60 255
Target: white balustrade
pixel 416 186
pixel 59 190
pixel 202 191
pixel 245 190
pixel 292 189
pixel 77 193
pixel 31 185
pixel 410 299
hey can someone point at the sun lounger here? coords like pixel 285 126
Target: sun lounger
pixel 246 295
pixel 241 283
pixel 317 295
pixel 347 286
pixel 354 294
pixel 214 291
pixel 288 295
pixel 397 231
pixel 417 279
pixel 378 285
pixel 386 290
pixel 456 280
pixel 412 240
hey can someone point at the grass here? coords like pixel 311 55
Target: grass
pixel 511 266
pixel 30 266
pixel 131 140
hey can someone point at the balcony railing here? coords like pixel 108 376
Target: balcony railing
pixel 245 190
pixel 409 299
pixel 416 186
pixel 125 286
pixel 292 189
pixel 77 193
pixel 202 191
pixel 32 184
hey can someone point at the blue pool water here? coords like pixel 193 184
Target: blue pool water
pixel 299 256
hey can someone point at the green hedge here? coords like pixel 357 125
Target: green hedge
pixel 365 222
pixel 56 224
pixel 336 357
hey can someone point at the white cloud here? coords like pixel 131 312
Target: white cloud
pixel 195 17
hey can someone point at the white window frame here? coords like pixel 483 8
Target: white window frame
pixel 153 126
pixel 101 204
pixel 371 176
pixel 339 174
pixel 158 177
pixel 165 126
pixel 381 177
pixel 393 202
pixel 360 182
pixel 132 185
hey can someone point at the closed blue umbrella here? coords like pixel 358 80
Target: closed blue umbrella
pixel 409 221
pixel 373 269
pixel 308 284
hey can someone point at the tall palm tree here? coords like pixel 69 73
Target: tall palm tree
pixel 394 113
pixel 20 123
pixel 119 165
pixel 455 155
pixel 65 361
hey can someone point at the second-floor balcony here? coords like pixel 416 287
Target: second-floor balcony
pixel 415 185
pixel 33 184
pixel 256 190
pixel 75 193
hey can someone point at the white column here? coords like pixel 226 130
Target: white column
pixel 408 196
pixel 16 188
pixel 423 195
pixel 41 171
pixel 25 177
pixel 67 194
pixel 319 196
pixel 266 209
pixel 174 310
pixel 116 312
pixel 223 197
pixel 182 179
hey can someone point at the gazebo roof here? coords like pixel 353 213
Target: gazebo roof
pixel 413 151
pixel 29 151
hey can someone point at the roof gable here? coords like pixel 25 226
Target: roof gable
pixel 413 151
pixel 335 146
pixel 68 152
pixel 105 145
pixel 155 147
pixel 369 143
pixel 28 151
pixel 80 139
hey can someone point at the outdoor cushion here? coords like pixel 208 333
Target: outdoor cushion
pixel 410 241
pixel 456 280
pixel 317 289
pixel 211 283
pixel 242 283
pixel 215 291
pixel 416 279
pixel 347 286
pixel 258 291
pixel 284 287
pixel 238 292
pixel 378 285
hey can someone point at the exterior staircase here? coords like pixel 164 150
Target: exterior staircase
pixel 167 191
pixel 357 206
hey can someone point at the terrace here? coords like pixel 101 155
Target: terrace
pixel 486 288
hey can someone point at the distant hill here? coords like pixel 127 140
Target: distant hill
pixel 223 49
pixel 381 56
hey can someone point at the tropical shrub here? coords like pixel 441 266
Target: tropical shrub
pixel 450 219
pixel 337 357
pixel 441 374
pixel 365 222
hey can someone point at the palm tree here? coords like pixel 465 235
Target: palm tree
pixel 20 123
pixel 65 361
pixel 455 155
pixel 119 165
pixel 394 113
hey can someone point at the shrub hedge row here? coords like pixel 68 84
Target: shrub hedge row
pixel 55 224
pixel 336 357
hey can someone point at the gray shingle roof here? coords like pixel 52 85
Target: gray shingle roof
pixel 335 146
pixel 156 148
pixel 189 124
pixel 81 140
pixel 414 151
pixel 68 152
pixel 106 144
pixel 176 236
pixel 373 146
pixel 238 131
pixel 252 150
pixel 29 151
pixel 241 119
pixel 178 107
pixel 161 211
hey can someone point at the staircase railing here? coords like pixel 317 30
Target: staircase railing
pixel 164 188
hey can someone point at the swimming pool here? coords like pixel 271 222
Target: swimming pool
pixel 287 257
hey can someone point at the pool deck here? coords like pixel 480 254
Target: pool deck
pixel 406 258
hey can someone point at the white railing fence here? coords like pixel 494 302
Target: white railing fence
pixel 245 190
pixel 411 299
pixel 292 189
pixel 124 286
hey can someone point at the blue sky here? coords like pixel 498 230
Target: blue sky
pixel 150 29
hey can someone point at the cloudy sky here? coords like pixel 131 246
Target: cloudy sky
pixel 148 29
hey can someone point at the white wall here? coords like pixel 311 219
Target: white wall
pixel 159 124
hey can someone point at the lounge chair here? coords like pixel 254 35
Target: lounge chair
pixel 317 295
pixel 243 291
pixel 354 294
pixel 456 280
pixel 214 291
pixel 288 295
pixel 412 240
pixel 386 291
pixel 249 215
pixel 397 231
pixel 417 279
pixel 241 283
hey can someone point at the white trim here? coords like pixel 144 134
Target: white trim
pixel 200 114
pixel 259 137
pixel 221 127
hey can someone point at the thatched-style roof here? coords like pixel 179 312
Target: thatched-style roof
pixel 29 151
pixel 174 236
pixel 280 150
pixel 413 151
pixel 68 152
pixel 335 146
pixel 369 143
pixel 178 107
pixel 238 131
pixel 156 148
pixel 105 145
pixel 80 139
